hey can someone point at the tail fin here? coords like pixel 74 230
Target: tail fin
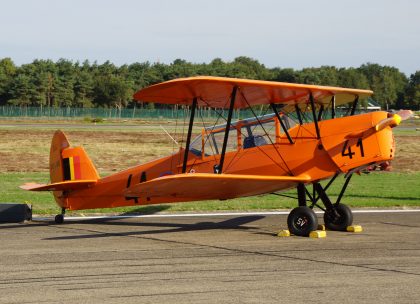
pixel 69 164
pixel 70 169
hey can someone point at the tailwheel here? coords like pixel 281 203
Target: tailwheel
pixel 302 220
pixel 59 218
pixel 338 218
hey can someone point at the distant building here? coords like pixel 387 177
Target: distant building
pixel 369 105
pixel 372 105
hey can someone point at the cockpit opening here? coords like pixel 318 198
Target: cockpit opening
pixel 243 134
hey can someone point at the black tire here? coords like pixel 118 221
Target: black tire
pixel 340 222
pixel 301 221
pixel 59 219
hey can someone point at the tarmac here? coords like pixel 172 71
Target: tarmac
pixel 222 258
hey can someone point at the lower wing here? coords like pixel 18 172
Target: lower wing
pixel 203 186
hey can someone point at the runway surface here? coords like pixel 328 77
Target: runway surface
pixel 233 258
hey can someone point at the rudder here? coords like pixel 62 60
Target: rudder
pixel 77 165
pixel 67 164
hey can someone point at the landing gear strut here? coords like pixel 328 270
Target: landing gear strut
pixel 59 218
pixel 337 216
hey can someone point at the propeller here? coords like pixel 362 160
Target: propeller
pixel 405 114
pixel 393 120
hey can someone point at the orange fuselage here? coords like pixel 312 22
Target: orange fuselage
pixel 344 144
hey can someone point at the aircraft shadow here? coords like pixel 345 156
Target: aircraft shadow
pixel 234 223
pixel 148 209
pixel 7 225
pixel 143 210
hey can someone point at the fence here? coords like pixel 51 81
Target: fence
pixel 132 113
pixel 112 113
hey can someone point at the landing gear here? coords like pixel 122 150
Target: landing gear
pixel 337 216
pixel 340 219
pixel 59 218
pixel 302 220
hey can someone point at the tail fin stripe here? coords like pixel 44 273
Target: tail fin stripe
pixel 77 167
pixel 66 169
pixel 71 168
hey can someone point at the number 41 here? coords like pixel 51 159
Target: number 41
pixel 347 149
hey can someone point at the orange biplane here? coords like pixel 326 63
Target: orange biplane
pixel 301 142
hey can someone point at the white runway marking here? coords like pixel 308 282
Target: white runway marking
pixel 78 218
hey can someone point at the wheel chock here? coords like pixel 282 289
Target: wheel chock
pixel 354 228
pixel 283 233
pixel 318 234
pixel 321 227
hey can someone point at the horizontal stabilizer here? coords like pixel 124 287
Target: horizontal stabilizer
pixel 61 186
pixel 204 186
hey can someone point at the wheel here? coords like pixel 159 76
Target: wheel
pixel 340 222
pixel 59 219
pixel 302 220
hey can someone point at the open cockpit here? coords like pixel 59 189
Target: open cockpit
pixel 243 134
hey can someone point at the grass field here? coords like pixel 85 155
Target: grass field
pixel 378 189
pixel 24 158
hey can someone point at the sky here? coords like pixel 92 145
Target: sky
pixel 286 34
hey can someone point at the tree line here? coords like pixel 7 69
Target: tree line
pixel 64 83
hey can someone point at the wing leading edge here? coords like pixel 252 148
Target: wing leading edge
pixel 205 186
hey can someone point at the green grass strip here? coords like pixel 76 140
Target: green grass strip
pixel 378 189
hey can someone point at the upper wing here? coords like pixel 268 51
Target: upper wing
pixel 216 91
pixel 203 186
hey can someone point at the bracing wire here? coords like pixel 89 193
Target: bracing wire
pixel 259 122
